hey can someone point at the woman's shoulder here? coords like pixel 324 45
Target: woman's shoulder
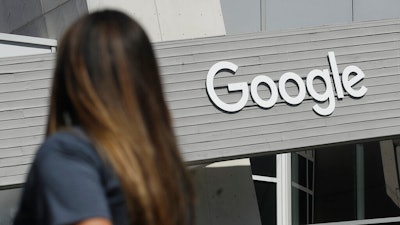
pixel 69 144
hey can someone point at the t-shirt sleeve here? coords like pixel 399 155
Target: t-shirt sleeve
pixel 70 185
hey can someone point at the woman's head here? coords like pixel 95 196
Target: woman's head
pixel 105 62
pixel 106 80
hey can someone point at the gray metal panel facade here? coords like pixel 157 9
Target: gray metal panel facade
pixel 375 10
pixel 241 16
pixel 207 134
pixel 305 13
pixel 24 91
pixel 271 15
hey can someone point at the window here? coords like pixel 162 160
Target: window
pixel 353 183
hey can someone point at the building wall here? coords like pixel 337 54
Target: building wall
pixel 205 133
pixel 39 18
pixel 270 15
pixel 24 90
pixel 49 18
pixel 16 45
pixel 172 20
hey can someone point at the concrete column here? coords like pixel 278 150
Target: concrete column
pixel 225 194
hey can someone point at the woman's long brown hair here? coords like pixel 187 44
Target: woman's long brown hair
pixel 107 81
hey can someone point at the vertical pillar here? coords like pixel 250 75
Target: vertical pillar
pixel 360 181
pixel 284 189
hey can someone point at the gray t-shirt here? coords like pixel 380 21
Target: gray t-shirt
pixel 69 182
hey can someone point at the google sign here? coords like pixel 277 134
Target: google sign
pixel 351 75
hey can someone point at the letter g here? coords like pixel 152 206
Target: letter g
pixel 233 107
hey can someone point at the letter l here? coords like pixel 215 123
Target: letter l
pixel 336 77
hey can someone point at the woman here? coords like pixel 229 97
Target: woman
pixel 110 156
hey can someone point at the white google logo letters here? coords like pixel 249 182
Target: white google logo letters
pixel 346 81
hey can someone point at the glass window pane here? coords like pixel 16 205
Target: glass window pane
pixel 299 169
pixel 310 178
pixel 310 208
pixel 334 193
pixel 266 198
pixel 378 204
pixel 299 206
pixel 264 165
